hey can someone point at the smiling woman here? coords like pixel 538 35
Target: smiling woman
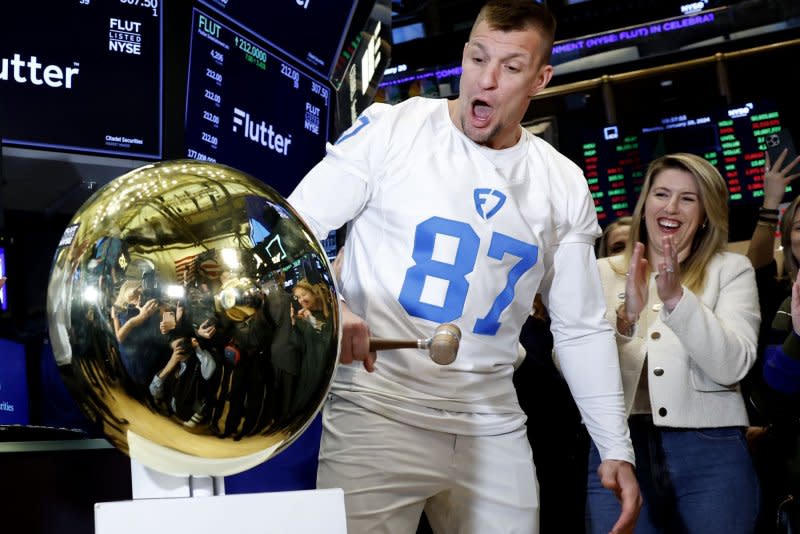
pixel 683 198
pixel 672 208
pixel 686 315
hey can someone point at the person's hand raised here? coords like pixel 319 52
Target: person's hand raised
pixel 668 279
pixel 777 177
pixel 636 284
pixel 796 306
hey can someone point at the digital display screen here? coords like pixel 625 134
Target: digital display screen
pixel 734 139
pixel 3 290
pixel 82 75
pixel 310 32
pixel 14 405
pixel 360 69
pixel 251 110
pixel 614 170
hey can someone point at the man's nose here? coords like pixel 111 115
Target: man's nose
pixel 488 77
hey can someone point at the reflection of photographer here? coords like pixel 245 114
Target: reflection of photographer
pixel 149 288
pixel 310 304
pixel 143 347
pixel 183 380
pixel 312 333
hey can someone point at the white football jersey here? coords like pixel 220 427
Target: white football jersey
pixel 443 230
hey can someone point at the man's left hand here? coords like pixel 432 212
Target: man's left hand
pixel 618 476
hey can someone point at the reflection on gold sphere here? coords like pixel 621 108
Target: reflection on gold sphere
pixel 173 323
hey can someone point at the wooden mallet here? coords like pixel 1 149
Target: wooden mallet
pixel 442 345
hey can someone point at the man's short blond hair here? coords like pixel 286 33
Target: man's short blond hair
pixel 518 15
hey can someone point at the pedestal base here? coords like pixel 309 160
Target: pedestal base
pixel 299 512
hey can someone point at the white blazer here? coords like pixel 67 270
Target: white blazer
pixel 695 355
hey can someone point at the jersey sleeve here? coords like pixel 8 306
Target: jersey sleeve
pixel 339 186
pixel 578 221
pixel 586 349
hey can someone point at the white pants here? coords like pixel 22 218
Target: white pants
pixel 390 471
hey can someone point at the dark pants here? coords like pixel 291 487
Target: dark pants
pixel 692 481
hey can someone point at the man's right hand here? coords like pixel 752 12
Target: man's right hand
pixel 355 340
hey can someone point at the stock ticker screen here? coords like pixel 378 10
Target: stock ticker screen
pixel 733 139
pixel 310 32
pixel 82 75
pixel 248 108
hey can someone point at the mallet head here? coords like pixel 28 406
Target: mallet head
pixel 443 345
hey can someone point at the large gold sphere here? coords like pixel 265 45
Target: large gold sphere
pixel 194 316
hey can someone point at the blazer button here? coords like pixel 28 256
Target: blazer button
pixel 657 307
pixel 662 412
pixel 658 371
pixel 655 335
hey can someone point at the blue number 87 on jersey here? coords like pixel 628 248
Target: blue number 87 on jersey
pixel 455 273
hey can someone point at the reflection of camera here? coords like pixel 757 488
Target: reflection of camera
pixel 184 345
pixel 150 289
pixel 296 307
pixel 240 298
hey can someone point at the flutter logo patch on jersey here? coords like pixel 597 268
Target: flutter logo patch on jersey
pixel 488 202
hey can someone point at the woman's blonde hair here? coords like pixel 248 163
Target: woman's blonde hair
pixel 319 291
pixel 125 291
pixel 711 237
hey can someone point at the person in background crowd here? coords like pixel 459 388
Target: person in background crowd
pixel 312 329
pixel 614 237
pixel 686 315
pixel 772 285
pixel 140 329
pixel 557 436
pixel 182 385
pixel 773 384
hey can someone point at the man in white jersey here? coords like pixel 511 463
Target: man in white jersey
pixel 459 215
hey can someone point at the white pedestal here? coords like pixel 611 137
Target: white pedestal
pixel 147 483
pixel 298 512
pixel 167 501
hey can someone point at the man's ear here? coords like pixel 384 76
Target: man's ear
pixel 543 77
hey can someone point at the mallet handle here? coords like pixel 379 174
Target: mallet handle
pixel 376 343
